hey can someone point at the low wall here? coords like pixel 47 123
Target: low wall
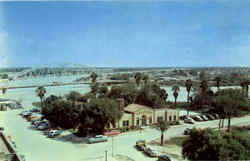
pixel 12 154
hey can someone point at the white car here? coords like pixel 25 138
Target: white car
pixel 54 133
pixel 97 139
pixel 189 120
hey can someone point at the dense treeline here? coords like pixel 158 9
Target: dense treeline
pixel 214 145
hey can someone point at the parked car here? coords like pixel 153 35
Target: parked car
pixel 54 133
pixel 210 117
pixel 189 120
pixel 204 117
pixel 196 118
pixel 26 114
pixel 150 152
pixel 39 122
pixel 34 110
pixel 33 117
pixel 164 158
pixel 187 131
pixel 97 139
pixel 43 126
pixel 183 117
pixel 141 145
pixel 215 115
pixel 34 120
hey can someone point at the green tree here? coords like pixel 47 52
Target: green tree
pixel 175 90
pixel 73 96
pixel 145 78
pixel 93 77
pixel 163 125
pixel 163 96
pixel 230 100
pixel 204 88
pixel 201 145
pixel 211 145
pixel 103 91
pixel 5 76
pixel 94 88
pixel 138 77
pixel 188 85
pixel 245 87
pixel 40 92
pixel 4 90
pixel 218 80
pixel 103 111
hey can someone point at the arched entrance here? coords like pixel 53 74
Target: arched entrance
pixel 144 120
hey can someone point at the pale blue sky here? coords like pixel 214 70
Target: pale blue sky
pixel 166 33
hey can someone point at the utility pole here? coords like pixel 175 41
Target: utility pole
pixel 106 156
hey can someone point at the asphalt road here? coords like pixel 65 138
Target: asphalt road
pixel 37 147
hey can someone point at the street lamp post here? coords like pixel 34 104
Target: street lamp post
pixel 106 156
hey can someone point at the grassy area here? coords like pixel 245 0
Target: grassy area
pixel 243 130
pixel 175 141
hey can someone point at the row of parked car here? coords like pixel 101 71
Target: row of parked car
pixel 40 124
pixel 201 117
pixel 149 151
pixel 44 125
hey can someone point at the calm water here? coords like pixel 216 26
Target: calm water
pixel 28 95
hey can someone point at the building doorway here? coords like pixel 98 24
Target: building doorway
pixel 144 120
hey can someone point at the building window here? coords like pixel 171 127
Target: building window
pixel 170 118
pixel 174 118
pixel 137 121
pixel 125 123
pixel 150 120
pixel 159 119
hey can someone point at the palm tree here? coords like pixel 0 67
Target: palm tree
pixel 163 96
pixel 218 80
pixel 40 91
pixel 163 125
pixel 245 87
pixel 176 89
pixel 188 85
pixel 74 97
pixel 138 77
pixel 93 76
pixel 103 91
pixel 145 78
pixel 4 90
pixel 204 87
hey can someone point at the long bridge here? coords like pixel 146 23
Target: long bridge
pixel 108 82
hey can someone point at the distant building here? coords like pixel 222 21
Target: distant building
pixel 136 115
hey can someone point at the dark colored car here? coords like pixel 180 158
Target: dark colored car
pixel 164 158
pixel 187 131
pixel 149 152
pixel 140 145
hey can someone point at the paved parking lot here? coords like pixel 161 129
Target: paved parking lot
pixel 37 147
